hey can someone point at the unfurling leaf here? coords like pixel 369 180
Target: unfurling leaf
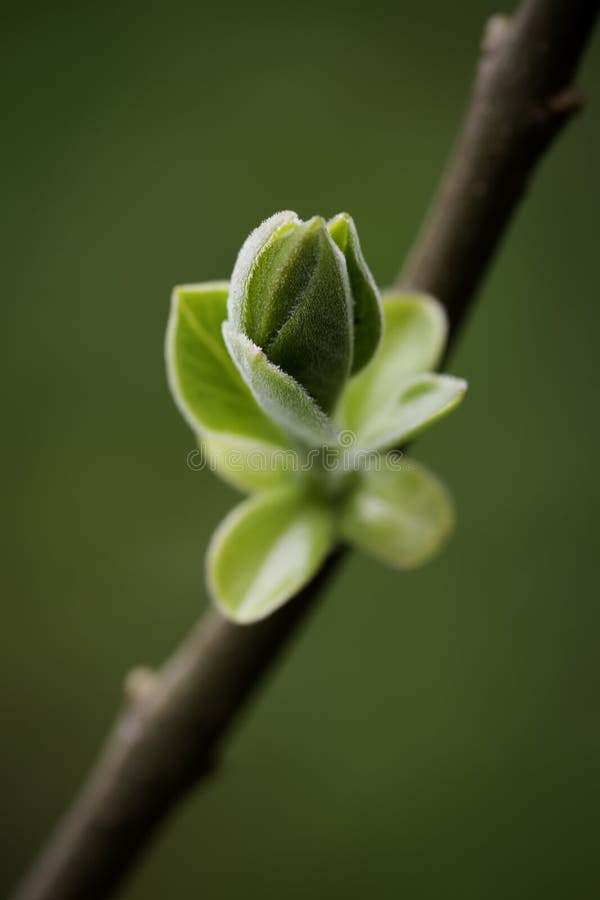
pixel 411 406
pixel 414 334
pixel 279 395
pixel 366 303
pixel 207 386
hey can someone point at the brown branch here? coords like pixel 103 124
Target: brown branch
pixel 168 735
pixel 165 739
pixel 521 98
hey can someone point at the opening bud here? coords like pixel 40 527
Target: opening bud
pixel 302 294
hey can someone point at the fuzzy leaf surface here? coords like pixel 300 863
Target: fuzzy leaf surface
pixel 265 551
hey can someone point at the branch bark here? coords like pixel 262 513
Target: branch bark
pixel 522 97
pixel 173 722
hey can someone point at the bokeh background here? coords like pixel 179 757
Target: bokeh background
pixel 434 734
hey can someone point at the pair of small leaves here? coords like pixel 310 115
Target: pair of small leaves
pixel 272 544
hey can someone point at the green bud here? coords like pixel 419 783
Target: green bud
pixel 290 295
pixel 303 294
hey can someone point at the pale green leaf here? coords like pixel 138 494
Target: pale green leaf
pixel 249 464
pixel 206 385
pixel 265 551
pixel 280 396
pixel 409 408
pixel 414 334
pixel 402 516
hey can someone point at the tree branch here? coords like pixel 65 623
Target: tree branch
pixel 174 721
pixel 522 97
pixel 165 739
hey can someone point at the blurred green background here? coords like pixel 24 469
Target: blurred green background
pixel 432 734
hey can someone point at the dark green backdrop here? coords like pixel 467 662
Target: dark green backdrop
pixel 431 735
